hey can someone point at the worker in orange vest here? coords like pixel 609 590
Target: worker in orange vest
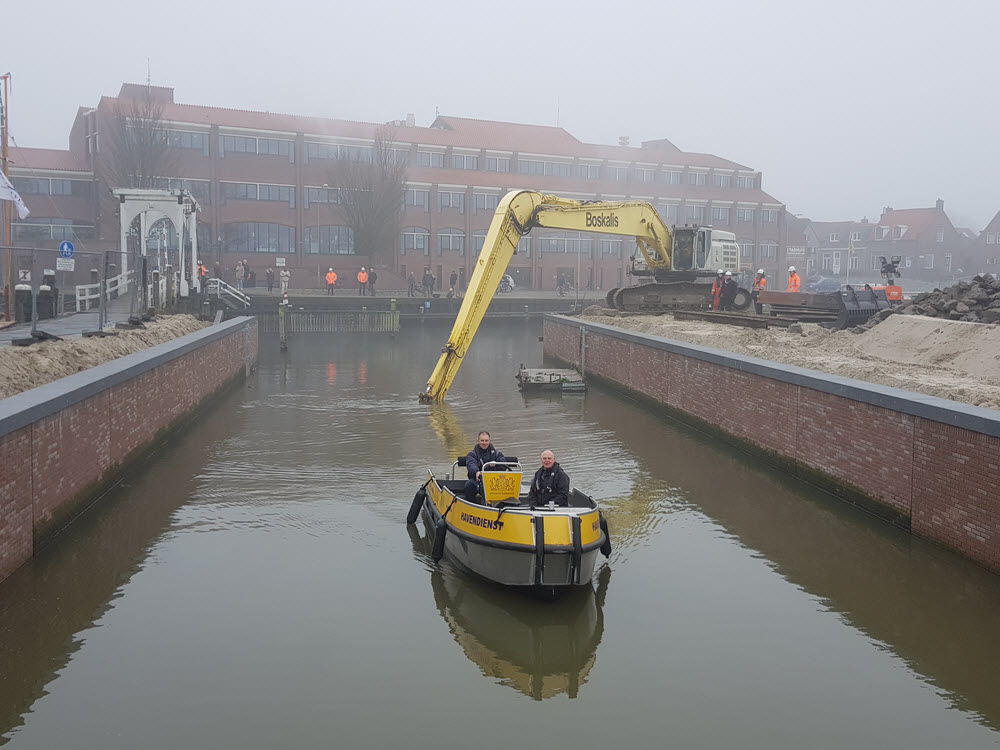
pixel 759 285
pixel 202 276
pixel 362 281
pixel 717 289
pixel 794 282
pixel 331 280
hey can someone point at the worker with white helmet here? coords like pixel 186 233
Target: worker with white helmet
pixel 331 280
pixel 362 281
pixel 717 289
pixel 729 289
pixel 759 285
pixel 794 282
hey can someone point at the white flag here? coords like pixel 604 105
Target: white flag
pixel 8 193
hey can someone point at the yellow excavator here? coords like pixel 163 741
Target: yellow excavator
pixel 681 263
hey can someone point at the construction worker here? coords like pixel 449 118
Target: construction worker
pixel 729 289
pixel 202 276
pixel 717 283
pixel 362 281
pixel 331 280
pixel 794 282
pixel 759 285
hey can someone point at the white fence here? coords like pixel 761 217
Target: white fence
pixel 88 296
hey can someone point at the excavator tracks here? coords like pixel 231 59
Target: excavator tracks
pixel 680 295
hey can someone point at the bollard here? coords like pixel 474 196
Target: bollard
pixel 392 304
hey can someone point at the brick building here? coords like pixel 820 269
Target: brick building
pixel 983 252
pixel 266 184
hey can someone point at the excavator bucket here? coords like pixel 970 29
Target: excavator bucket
pixel 846 308
pixel 858 305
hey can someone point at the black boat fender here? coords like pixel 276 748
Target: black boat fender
pixel 440 531
pixel 606 546
pixel 416 505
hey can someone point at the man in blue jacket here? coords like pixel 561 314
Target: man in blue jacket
pixel 482 452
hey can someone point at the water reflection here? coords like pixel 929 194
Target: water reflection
pixel 541 649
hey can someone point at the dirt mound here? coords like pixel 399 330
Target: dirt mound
pixel 977 301
pixel 24 368
pixel 949 359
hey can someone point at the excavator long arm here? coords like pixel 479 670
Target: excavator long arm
pixel 517 213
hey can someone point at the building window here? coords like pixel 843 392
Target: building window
pixel 239 191
pixel 451 240
pixel 898 231
pixel 530 166
pixel 275 147
pixel 258 237
pixel 722 180
pixel 876 264
pixel 237 144
pixel 855 236
pixel 322 195
pixel 929 260
pixel 947 263
pixel 332 240
pixel 617 174
pixel 524 247
pixel 34 230
pixel 746 181
pixel 827 261
pixel 697 178
pixel 485 201
pixel 669 212
pixel 588 171
pixel 744 216
pixel 186 140
pixel 564 244
pixel 695 213
pixel 430 159
pixel 277 193
pixel 746 248
pixel 448 199
pixel 417 198
pixel 31 185
pixel 881 233
pixel 720 214
pixel 399 156
pixel 855 262
pixel 834 236
pixel 611 247
pixel 200 189
pixel 644 175
pixel 769 216
pixel 478 240
pixel 558 169
pixel 414 240
pixel 768 250
pixel 464 161
pixel 939 237
pixel 497 164
pixel 671 177
pixel 333 151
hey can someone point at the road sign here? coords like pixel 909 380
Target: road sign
pixel 280 262
pixel 65 264
pixel 23 276
pixel 66 249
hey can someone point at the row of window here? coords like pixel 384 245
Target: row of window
pixel 252 191
pixel 53 186
pixel 38 230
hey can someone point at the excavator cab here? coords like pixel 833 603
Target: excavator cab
pixel 684 249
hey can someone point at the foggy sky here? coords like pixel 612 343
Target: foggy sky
pixel 845 106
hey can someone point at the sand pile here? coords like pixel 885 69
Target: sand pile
pixel 23 368
pixel 950 359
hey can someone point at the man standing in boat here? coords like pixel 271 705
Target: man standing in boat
pixel 482 452
pixel 550 484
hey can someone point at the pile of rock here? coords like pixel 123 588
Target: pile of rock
pixel 976 301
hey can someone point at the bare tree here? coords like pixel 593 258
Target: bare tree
pixel 135 152
pixel 371 196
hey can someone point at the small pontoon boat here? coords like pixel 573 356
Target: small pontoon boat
pixel 502 537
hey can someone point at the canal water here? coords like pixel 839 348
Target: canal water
pixel 253 584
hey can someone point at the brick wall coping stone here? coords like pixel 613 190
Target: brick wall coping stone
pixel 29 406
pixel 966 416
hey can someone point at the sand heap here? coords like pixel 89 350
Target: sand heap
pixel 951 359
pixel 23 368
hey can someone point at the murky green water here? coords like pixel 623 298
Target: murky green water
pixel 254 586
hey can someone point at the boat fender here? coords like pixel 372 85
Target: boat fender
pixel 415 506
pixel 440 531
pixel 606 546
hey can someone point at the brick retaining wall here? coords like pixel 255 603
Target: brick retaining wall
pixel 921 462
pixel 63 443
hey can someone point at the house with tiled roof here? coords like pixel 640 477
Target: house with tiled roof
pixel 925 240
pixel 267 186
pixel 982 253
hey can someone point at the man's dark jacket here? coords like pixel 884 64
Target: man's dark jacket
pixel 549 485
pixel 477 457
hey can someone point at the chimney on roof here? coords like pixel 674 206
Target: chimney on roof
pixel 939 205
pixel 623 140
pixel 886 210
pixel 410 120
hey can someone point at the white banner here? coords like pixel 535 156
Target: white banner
pixel 8 193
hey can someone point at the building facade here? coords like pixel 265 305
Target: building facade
pixel 267 185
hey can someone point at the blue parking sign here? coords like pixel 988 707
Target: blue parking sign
pixel 66 249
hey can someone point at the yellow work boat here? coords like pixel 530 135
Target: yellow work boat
pixel 502 537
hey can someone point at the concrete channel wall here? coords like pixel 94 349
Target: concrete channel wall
pixel 923 463
pixel 64 443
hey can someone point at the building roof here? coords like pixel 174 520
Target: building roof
pixel 29 159
pixel 916 220
pixel 460 132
